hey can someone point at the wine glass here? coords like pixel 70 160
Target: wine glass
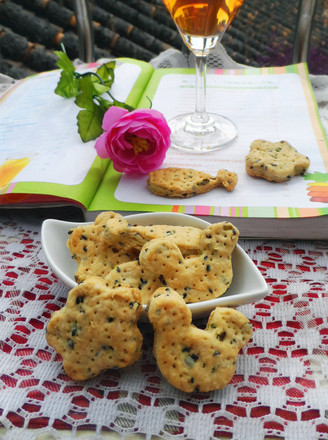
pixel 202 24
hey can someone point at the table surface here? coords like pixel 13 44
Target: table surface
pixel 280 388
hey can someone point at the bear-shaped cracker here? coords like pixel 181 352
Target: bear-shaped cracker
pixel 192 359
pixel 275 161
pixel 205 275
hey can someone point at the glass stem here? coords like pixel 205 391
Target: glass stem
pixel 200 109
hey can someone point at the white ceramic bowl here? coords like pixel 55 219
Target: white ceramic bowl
pixel 247 285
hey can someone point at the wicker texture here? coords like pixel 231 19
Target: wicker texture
pixel 262 33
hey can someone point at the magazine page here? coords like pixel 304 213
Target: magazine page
pixel 41 150
pixel 272 104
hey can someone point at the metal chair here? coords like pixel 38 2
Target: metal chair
pixel 84 30
pixel 303 30
pixel 301 42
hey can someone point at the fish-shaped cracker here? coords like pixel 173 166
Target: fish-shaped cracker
pixel 184 182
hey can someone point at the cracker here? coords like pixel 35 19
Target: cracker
pixel 184 182
pixel 199 277
pixel 192 359
pixel 185 237
pixel 96 329
pixel 275 161
pixel 92 251
pixel 111 240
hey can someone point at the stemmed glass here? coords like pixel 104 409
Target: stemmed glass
pixel 202 24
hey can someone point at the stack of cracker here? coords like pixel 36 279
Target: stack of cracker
pixel 122 267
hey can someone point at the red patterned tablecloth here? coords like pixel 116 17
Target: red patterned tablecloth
pixel 280 388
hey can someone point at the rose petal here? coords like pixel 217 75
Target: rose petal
pixel 112 115
pixel 101 146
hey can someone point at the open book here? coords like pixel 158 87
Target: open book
pixel 44 162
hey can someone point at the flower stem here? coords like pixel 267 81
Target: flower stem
pixel 81 75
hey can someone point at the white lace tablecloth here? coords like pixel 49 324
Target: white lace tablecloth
pixel 280 389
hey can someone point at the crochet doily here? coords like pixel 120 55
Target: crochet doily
pixel 280 387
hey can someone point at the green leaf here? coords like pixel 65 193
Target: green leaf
pixel 106 73
pixel 89 123
pixel 100 89
pixel 68 84
pixel 85 98
pixel 104 104
pixel 123 105
pixel 120 104
pixel 64 62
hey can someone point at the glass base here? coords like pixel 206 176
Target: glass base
pixel 201 134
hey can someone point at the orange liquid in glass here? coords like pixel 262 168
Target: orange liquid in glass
pixel 203 18
pixel 10 168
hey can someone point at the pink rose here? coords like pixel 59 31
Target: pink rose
pixel 136 141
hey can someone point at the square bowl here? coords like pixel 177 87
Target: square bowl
pixel 247 286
